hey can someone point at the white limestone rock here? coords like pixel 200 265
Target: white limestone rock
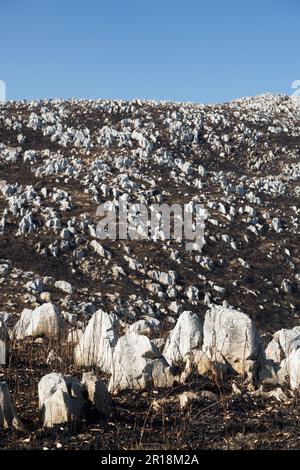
pixel 198 361
pixel 290 370
pixel 35 287
pixel 204 396
pixel 43 321
pixel 283 343
pixel 95 347
pixel 187 335
pixel 282 355
pixel 100 250
pixel 64 286
pixel 60 399
pixel 138 364
pixel 231 334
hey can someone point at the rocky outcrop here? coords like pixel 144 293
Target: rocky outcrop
pixel 289 370
pixel 231 336
pixel 43 321
pixel 61 399
pixel 283 358
pixel 95 347
pixel 283 343
pixel 186 336
pixel 138 364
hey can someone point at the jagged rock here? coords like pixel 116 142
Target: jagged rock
pixel 289 371
pixel 100 250
pixel 64 286
pixel 95 347
pixel 232 335
pixel 138 364
pixel 283 353
pixel 97 393
pixel 166 278
pixel 8 414
pixel 43 321
pixel 187 335
pixel 282 344
pixel 60 399
pixel 192 294
pixel 4 343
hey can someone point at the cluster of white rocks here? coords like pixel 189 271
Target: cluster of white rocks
pixel 226 342
pixel 168 307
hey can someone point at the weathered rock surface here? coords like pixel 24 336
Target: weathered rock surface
pixel 61 399
pixel 138 364
pixel 187 335
pixel 283 343
pixel 43 321
pixel 289 371
pixel 95 347
pixel 282 355
pixel 232 335
pixel 64 286
pixel 60 159
pixel 4 343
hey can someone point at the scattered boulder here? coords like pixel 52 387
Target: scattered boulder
pixel 282 356
pixel 289 371
pixel 95 347
pixel 60 399
pixel 43 321
pixel 187 335
pixel 64 286
pixel 283 343
pixel 35 287
pixel 138 364
pixel 100 250
pixel 232 335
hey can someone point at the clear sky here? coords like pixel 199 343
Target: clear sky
pixel 183 50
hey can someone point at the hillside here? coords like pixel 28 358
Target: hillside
pixel 60 160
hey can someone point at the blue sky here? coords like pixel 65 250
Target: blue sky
pixel 183 50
